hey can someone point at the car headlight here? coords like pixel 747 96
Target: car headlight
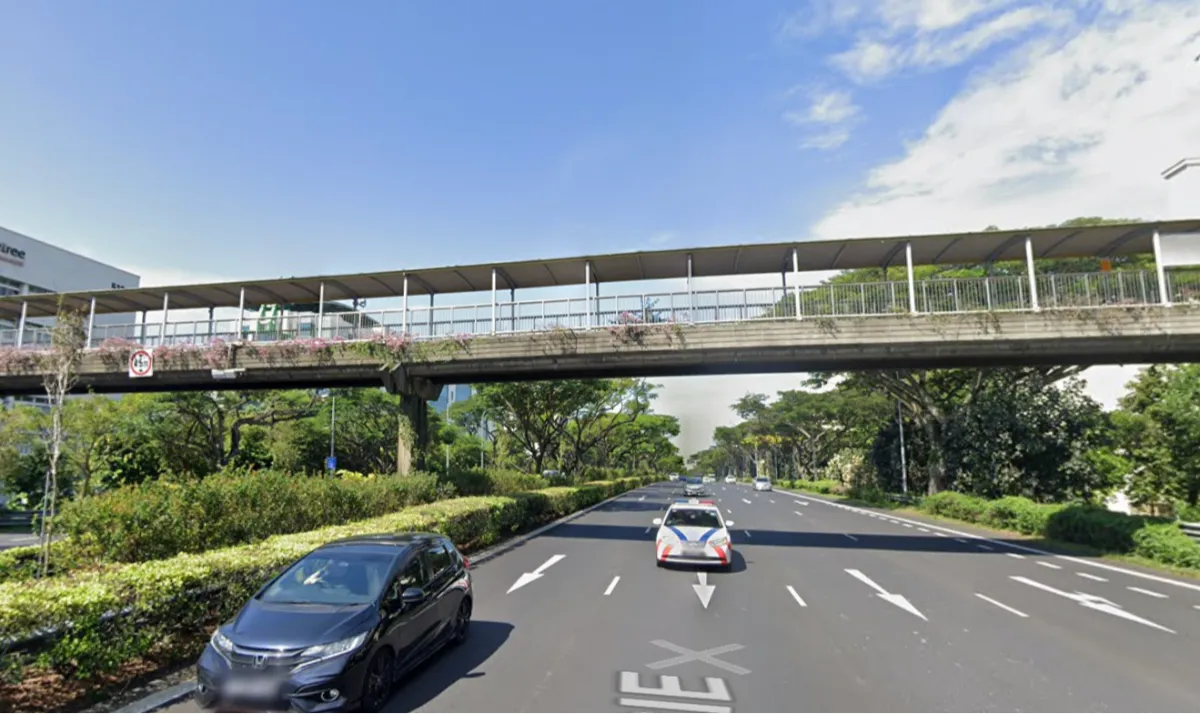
pixel 221 643
pixel 333 649
pixel 719 541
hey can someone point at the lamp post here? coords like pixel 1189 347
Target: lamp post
pixel 903 460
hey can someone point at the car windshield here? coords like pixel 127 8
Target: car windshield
pixel 335 576
pixel 693 518
pixel 694 480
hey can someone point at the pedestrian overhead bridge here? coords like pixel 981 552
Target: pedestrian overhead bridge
pixel 1008 317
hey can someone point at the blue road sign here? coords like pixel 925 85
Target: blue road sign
pixel 331 463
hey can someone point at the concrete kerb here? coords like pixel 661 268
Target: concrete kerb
pixel 183 690
pixel 1003 544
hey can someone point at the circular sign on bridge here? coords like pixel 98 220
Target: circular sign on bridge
pixel 141 363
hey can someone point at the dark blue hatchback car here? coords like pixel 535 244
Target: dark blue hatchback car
pixel 338 627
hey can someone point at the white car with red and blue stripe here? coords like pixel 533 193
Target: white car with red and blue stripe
pixel 693 532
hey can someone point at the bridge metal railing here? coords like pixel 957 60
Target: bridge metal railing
pixel 1002 293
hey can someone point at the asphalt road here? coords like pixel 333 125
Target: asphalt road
pixel 828 608
pixel 16 539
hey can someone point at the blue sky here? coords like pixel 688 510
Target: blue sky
pixel 193 141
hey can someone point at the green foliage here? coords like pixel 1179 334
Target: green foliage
pixel 168 603
pixel 162 518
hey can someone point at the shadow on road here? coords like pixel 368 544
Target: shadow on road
pixel 791 539
pixel 444 670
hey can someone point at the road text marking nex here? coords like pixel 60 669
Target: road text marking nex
pixel 717 691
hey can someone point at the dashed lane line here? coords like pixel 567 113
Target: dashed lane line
pixel 984 547
pixel 1144 591
pixel 746 500
pixel 1089 576
pixel 798 513
pixel 850 537
pixel 796 596
pixel 1018 556
pixel 1000 605
pixel 1052 566
pixel 612 586
pixel 747 533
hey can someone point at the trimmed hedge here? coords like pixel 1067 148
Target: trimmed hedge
pixel 825 486
pixel 1156 539
pixel 166 605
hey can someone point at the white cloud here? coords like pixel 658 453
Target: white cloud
pixel 832 110
pixel 939 40
pixel 1062 126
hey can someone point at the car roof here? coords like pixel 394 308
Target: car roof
pixel 398 541
pixel 695 506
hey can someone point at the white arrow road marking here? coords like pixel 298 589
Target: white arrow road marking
pixel 612 586
pixel 745 500
pixel 797 597
pixel 898 600
pixel 527 578
pixel 1000 605
pixel 1093 602
pixel 1144 591
pixel 704 591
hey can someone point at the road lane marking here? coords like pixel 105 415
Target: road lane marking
pixel 898 600
pixel 1001 605
pixel 708 656
pixel 923 530
pixel 772 500
pixel 745 500
pixel 798 513
pixel 960 540
pixel 983 547
pixel 941 535
pixel 643 498
pixel 802 503
pixel 1018 556
pixel 527 578
pixel 1144 591
pixel 1037 551
pixel 651 704
pixel 747 533
pixel 850 537
pixel 729 511
pixel 907 525
pixel 648 528
pixel 612 585
pixel 795 595
pixel 1089 576
pixel 1052 566
pixel 1093 602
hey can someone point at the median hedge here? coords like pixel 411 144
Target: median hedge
pixel 166 607
pixel 162 518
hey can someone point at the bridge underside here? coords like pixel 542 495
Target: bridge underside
pixel 1156 347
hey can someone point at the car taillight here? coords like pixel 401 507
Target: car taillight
pixel 466 563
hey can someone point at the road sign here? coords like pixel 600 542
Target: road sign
pixel 141 363
pixel 331 463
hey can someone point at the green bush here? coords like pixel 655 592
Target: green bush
pixel 1166 543
pixel 1015 513
pixel 162 518
pixel 168 604
pixel 480 482
pixel 824 486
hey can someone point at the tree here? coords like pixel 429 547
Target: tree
pixel 215 422
pixel 60 366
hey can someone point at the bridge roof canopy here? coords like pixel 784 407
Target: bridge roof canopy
pixel 1111 240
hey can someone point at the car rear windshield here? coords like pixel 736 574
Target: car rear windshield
pixel 333 577
pixel 693 518
pixel 694 480
pixel 762 478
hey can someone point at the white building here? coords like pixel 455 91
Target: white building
pixel 30 266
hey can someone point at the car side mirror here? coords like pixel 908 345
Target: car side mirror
pixel 728 523
pixel 412 596
pixel 657 521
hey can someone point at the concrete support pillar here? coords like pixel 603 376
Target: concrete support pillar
pixel 587 293
pixel 404 308
pixel 240 320
pixel 162 327
pixel 494 307
pixel 1164 295
pixel 321 311
pixel 91 323
pixel 21 325
pixel 412 440
pixel 796 275
pixel 1033 291
pixel 691 297
pixel 912 283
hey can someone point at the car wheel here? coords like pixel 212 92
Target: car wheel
pixel 462 622
pixel 377 685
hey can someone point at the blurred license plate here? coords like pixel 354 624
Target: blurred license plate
pixel 694 550
pixel 253 687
